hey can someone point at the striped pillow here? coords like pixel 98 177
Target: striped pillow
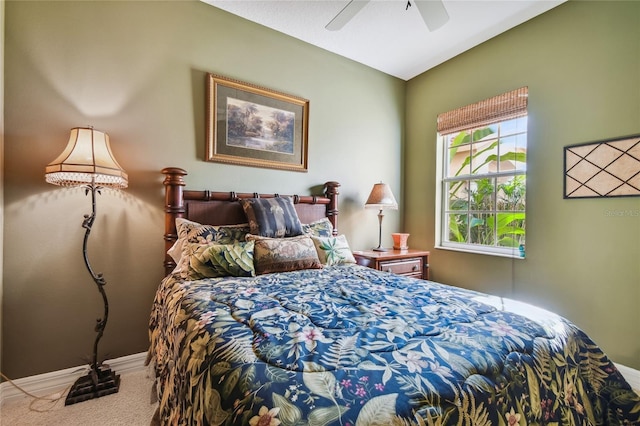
pixel 272 217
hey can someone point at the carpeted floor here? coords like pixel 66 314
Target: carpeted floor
pixel 131 406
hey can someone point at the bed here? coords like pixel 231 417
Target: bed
pixel 336 343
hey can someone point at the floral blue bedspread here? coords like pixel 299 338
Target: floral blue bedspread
pixel 350 346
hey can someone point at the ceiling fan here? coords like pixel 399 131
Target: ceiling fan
pixel 433 13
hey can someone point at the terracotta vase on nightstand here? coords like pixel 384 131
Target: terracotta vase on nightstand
pixel 400 241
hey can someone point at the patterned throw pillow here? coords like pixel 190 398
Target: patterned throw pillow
pixel 284 254
pixel 333 250
pixel 319 228
pixel 193 232
pixel 272 217
pixel 220 260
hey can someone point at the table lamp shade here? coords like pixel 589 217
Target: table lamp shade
pixel 381 197
pixel 87 159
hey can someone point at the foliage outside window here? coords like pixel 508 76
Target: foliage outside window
pixel 484 183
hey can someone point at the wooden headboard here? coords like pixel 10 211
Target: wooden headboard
pixel 222 208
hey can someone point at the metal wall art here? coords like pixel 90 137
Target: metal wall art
pixel 609 168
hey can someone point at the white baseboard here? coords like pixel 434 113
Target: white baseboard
pixel 56 381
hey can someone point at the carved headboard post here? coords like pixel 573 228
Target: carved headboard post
pixel 174 208
pixel 331 192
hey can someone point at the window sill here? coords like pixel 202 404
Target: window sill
pixel 513 254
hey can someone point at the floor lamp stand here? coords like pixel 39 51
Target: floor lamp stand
pixel 100 380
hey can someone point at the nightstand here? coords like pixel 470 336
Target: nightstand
pixel 410 262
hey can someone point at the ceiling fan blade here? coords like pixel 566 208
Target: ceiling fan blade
pixel 433 13
pixel 346 14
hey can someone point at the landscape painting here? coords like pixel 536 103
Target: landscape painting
pixel 250 125
pixel 255 126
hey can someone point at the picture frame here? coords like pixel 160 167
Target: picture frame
pixel 250 125
pixel 608 168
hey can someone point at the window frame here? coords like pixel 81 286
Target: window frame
pixel 487 114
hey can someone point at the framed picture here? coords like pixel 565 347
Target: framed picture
pixel 253 126
pixel 609 168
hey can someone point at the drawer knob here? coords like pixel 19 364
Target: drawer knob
pixel 415 267
pixel 388 269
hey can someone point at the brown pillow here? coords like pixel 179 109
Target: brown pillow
pixel 284 254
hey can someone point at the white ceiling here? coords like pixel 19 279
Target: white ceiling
pixel 384 34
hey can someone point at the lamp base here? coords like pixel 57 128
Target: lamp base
pixel 84 389
pixel 380 249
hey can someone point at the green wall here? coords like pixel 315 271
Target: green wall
pixel 137 71
pixel 581 62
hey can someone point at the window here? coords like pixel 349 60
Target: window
pixel 483 176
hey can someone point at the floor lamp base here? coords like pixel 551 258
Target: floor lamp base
pixel 84 389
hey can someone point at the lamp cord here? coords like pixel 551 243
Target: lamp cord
pixel 35 398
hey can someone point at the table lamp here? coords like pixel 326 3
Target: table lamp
pixel 381 198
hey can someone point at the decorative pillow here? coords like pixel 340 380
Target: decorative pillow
pixel 333 250
pixel 220 260
pixel 319 228
pixel 176 251
pixel 272 217
pixel 284 254
pixel 194 232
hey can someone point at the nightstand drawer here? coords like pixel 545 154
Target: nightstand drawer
pixel 409 263
pixel 403 267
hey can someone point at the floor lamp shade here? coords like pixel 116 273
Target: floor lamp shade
pixel 86 159
pixel 381 198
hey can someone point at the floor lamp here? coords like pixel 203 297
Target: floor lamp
pixel 381 198
pixel 87 161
